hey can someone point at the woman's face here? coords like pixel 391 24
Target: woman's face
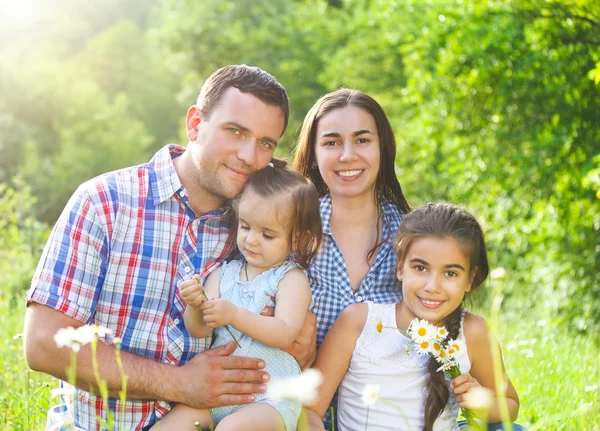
pixel 347 152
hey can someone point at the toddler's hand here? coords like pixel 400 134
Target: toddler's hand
pixel 191 292
pixel 461 386
pixel 218 312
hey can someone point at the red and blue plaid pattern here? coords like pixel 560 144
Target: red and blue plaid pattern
pixel 122 245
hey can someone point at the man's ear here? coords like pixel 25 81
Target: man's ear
pixel 192 122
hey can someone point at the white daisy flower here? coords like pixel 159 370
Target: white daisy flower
pixel 421 330
pixel 75 338
pixel 479 398
pixel 441 333
pixel 301 388
pixel 455 348
pixel 370 395
pixel 436 348
pixel 423 347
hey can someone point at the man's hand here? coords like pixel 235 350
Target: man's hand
pixel 218 312
pixel 213 378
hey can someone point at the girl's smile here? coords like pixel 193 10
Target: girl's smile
pixel 435 276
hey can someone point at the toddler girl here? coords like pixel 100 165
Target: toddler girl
pixel 279 231
pixel 441 257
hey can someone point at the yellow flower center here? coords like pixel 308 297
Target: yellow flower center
pixel 379 326
pixel 437 346
pixel 422 332
pixel 424 344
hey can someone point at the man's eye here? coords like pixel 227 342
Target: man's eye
pixel 419 268
pixel 234 131
pixel 451 274
pixel 267 145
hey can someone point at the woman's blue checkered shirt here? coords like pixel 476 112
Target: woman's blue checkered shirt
pixel 329 279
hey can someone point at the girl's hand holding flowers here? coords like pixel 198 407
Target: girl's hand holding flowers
pixel 218 312
pixel 462 386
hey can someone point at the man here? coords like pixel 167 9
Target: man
pixel 127 239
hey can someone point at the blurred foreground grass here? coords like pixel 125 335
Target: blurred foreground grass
pixel 556 373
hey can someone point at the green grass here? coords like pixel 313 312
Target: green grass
pixel 557 374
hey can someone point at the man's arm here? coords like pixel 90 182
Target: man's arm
pixel 212 378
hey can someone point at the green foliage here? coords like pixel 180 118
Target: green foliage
pixel 492 104
pixel 21 240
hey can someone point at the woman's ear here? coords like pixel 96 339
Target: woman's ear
pixel 399 273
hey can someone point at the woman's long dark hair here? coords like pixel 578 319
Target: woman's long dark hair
pixel 387 186
pixel 444 220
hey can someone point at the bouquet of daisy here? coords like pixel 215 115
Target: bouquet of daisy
pixel 432 340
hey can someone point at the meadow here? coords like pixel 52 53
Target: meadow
pixel 555 371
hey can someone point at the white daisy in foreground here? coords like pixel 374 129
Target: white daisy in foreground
pixel 301 388
pixel 75 338
pixel 479 398
pixel 370 395
pixel 421 330
pixel 498 274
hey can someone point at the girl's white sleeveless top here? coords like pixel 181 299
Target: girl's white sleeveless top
pixel 388 359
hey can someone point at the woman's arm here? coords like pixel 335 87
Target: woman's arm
pixel 293 299
pixel 481 346
pixel 193 317
pixel 333 358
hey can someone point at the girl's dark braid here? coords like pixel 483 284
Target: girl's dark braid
pixel 437 387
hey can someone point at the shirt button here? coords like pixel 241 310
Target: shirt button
pixel 176 321
pixel 359 298
pixel 187 269
pixel 182 193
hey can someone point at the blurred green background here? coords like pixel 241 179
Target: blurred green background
pixel 495 105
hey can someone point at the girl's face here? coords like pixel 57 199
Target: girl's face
pixel 435 277
pixel 347 152
pixel 263 230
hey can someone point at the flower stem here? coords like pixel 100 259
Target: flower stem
pixel 225 326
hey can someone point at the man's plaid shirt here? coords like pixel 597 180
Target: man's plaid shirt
pixel 122 245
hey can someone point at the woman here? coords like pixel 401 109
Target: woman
pixel 347 149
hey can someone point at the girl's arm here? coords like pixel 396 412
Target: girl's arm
pixel 333 358
pixel 480 348
pixel 293 299
pixel 193 318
